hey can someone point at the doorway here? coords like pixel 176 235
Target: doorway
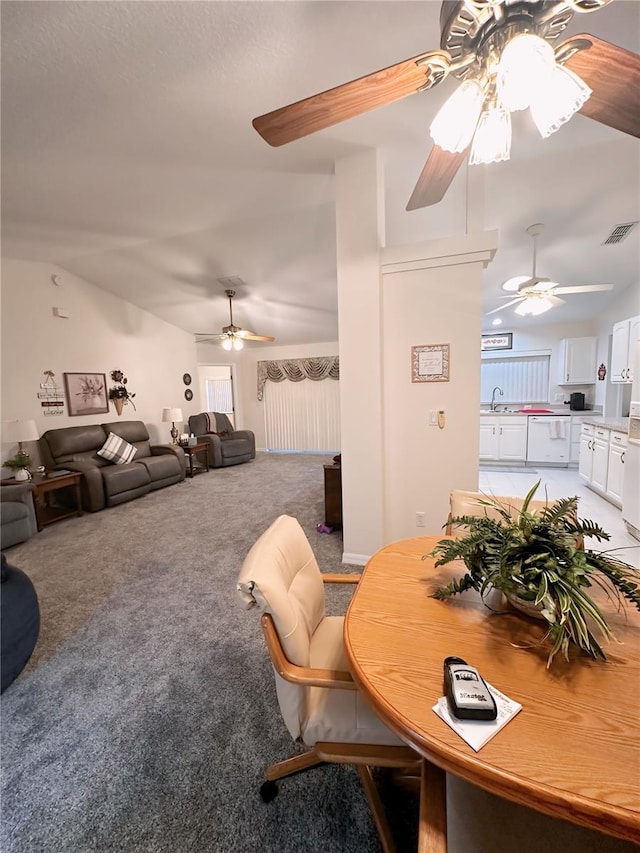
pixel 216 382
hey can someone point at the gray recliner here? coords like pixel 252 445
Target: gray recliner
pixel 226 445
pixel 17 514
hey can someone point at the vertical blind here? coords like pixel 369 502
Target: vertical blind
pixel 302 416
pixel 523 379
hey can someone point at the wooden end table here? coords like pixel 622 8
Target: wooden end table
pixel 43 486
pixel 190 451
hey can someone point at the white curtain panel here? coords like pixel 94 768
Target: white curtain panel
pixel 303 415
pixel 220 396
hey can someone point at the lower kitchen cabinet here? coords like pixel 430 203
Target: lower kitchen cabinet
pixel 601 462
pixel 615 473
pixel 503 438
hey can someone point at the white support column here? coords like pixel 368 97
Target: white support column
pixel 359 237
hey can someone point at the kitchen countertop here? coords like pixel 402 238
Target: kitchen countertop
pixel 614 424
pixel 551 413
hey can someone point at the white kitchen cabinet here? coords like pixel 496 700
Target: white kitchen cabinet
pixel 576 437
pixel 577 362
pixel 503 438
pixel 624 337
pixel 615 473
pixel 600 462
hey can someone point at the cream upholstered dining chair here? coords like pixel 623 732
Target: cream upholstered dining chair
pixel 319 701
pixel 469 503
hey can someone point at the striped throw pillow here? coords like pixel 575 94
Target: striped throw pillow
pixel 117 450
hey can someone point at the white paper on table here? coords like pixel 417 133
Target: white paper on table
pixel 477 732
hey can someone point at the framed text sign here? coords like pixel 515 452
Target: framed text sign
pixel 504 341
pixel 430 363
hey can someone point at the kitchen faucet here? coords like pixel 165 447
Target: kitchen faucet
pixel 493 397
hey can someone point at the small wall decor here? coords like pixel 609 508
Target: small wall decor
pixel 188 394
pixel 86 393
pixel 119 394
pixel 602 372
pixel 186 378
pixel 50 395
pixel 430 363
pixel 504 341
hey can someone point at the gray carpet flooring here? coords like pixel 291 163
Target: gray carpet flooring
pixel 147 714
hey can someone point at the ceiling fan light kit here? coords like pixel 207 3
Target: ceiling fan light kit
pixel 492 139
pixel 455 122
pixel 560 98
pixel 233 337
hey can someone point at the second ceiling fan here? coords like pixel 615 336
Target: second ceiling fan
pixel 535 294
pixel 232 337
pixel 583 73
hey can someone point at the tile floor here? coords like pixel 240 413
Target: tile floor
pixel 566 482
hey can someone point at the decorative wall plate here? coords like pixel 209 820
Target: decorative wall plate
pixel 186 378
pixel 188 394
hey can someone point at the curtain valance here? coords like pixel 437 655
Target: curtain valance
pixel 297 369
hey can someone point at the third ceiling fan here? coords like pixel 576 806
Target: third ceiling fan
pixel 535 294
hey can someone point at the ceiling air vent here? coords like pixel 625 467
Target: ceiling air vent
pixel 231 281
pixel 619 233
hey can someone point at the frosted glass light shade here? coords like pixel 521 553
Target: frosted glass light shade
pixel 455 122
pixel 558 99
pixel 238 343
pixel 492 139
pixel 227 344
pixel 534 305
pixel 526 63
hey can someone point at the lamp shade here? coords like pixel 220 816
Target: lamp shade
pixel 172 415
pixel 562 96
pixel 21 431
pixel 524 68
pixel 455 123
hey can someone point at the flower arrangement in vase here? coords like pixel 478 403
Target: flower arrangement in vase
pixel 119 394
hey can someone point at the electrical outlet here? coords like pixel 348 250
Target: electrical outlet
pixel 433 418
pixel 419 519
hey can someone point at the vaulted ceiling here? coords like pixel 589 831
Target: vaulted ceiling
pixel 128 158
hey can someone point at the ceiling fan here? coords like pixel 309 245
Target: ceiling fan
pixel 501 51
pixel 232 337
pixel 536 294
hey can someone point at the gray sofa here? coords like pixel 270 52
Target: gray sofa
pixel 226 445
pixel 105 483
pixel 17 514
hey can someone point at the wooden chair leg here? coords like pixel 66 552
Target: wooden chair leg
pixel 377 809
pixel 432 834
pixel 293 765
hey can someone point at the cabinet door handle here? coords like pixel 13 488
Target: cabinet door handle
pixel 622 458
pixel 500 430
pixel 567 377
pixel 494 431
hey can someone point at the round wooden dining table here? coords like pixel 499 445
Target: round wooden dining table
pixel 572 752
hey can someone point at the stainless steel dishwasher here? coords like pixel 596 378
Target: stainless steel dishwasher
pixel 549 439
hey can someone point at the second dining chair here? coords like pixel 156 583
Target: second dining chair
pixel 319 701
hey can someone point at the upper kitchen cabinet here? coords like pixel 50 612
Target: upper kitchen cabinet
pixel 623 345
pixel 577 362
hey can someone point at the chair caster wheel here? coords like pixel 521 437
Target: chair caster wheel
pixel 268 791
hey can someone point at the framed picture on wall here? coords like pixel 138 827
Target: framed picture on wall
pixel 430 363
pixel 86 393
pixel 491 342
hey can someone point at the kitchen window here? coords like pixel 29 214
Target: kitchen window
pixel 523 378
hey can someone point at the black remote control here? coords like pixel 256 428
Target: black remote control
pixel 467 694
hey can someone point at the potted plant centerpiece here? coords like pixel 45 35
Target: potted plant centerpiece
pixel 538 560
pixel 119 393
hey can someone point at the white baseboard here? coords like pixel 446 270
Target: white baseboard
pixel 355 559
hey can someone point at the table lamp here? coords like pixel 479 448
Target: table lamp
pixel 171 416
pixel 21 431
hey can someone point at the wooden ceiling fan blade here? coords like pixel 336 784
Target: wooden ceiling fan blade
pixel 352 99
pixel 506 305
pixel 585 288
pixel 436 176
pixel 251 336
pixel 613 74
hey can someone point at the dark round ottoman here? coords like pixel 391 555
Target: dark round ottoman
pixel 20 625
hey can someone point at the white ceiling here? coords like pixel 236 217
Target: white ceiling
pixel 128 158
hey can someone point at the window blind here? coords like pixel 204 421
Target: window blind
pixel 523 379
pixel 302 416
